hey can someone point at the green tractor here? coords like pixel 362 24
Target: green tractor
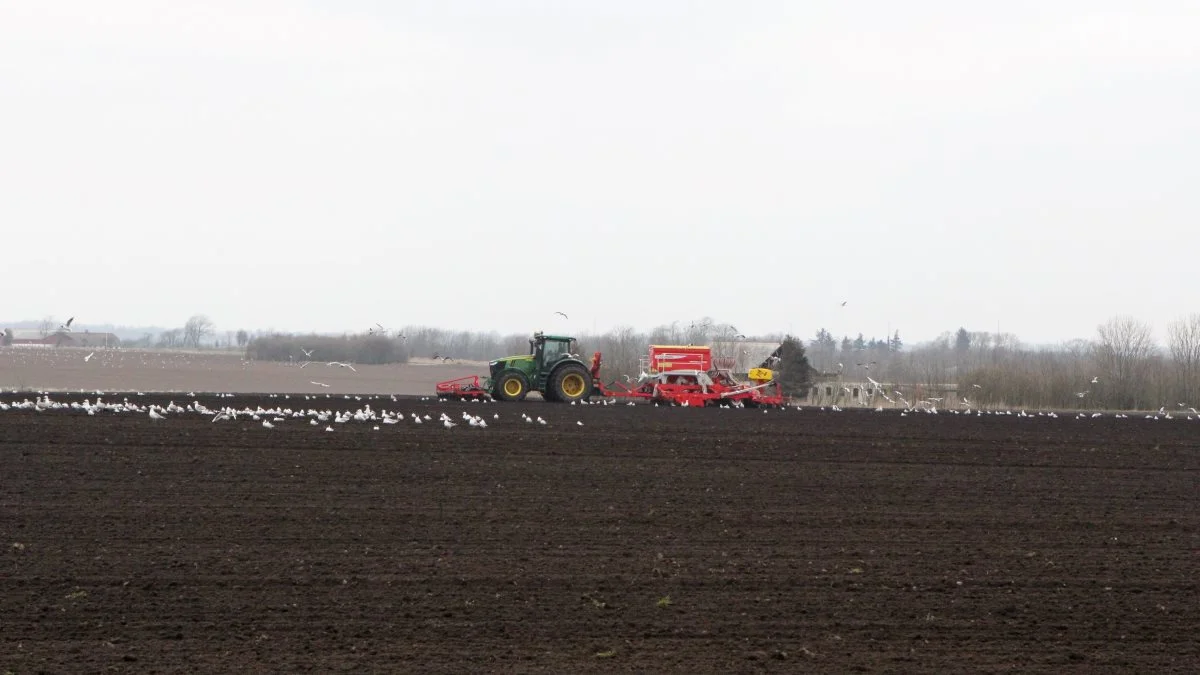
pixel 550 368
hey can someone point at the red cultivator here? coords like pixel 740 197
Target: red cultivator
pixel 462 388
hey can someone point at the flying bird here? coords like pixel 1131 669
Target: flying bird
pixel 341 365
pixel 844 303
pixel 319 384
pixel 1096 380
pixel 562 315
pixel 89 357
pixel 307 352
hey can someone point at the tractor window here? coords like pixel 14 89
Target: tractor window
pixel 552 351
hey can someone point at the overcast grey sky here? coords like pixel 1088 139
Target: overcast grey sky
pixel 480 165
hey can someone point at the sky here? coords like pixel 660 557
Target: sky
pixel 1029 167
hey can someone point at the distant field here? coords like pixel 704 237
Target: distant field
pixel 142 370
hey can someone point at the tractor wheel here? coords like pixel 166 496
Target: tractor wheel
pixel 511 387
pixel 571 383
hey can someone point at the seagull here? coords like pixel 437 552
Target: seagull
pixel 307 352
pixel 561 314
pixel 267 424
pixel 89 357
pixel 342 365
pixel 319 384
pixel 1096 380
pixel 739 336
pixel 844 303
pixel 155 416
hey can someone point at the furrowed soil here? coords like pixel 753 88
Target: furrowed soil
pixel 646 540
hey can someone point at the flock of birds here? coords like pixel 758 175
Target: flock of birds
pixel 271 417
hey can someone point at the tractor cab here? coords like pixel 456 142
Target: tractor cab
pixel 546 349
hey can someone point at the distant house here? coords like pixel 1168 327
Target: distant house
pixel 35 338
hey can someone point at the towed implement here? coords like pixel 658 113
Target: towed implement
pixel 671 375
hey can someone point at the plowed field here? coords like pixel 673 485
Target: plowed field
pixel 646 540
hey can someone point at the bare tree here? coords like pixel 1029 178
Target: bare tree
pixel 1183 341
pixel 1121 353
pixel 196 329
pixel 169 338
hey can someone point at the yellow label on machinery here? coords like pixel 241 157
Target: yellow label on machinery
pixel 761 374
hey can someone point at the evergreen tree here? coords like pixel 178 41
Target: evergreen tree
pixel 795 372
pixel 962 341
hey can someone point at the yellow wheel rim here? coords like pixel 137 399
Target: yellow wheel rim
pixel 572 385
pixel 512 387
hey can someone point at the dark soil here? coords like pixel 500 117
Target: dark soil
pixel 647 540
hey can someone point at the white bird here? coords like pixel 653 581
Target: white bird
pixel 341 365
pixel 580 423
pixel 155 416
pixel 1096 380
pixel 307 352
pixel 267 424
pixel 89 357
pixel 448 424
pixel 319 384
pixel 541 421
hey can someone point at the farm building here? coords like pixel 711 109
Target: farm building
pixel 851 393
pixel 35 338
